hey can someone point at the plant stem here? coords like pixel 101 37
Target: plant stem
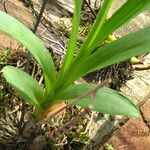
pixel 5 7
pixel 92 11
pixel 72 123
pixel 91 92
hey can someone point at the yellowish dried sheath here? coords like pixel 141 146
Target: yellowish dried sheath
pixel 52 110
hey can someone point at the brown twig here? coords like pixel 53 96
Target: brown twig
pixel 72 123
pixel 92 11
pixel 40 16
pixel 4 5
pixel 21 122
pixel 141 67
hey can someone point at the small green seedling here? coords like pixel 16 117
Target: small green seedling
pixel 109 147
pixel 5 56
pixel 60 87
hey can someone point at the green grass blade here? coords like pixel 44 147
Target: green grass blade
pixel 35 46
pixel 131 45
pixel 27 86
pixel 74 35
pixel 94 33
pixel 106 100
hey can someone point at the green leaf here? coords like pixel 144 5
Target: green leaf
pixel 89 43
pixel 35 46
pixel 73 91
pixel 111 102
pixel 106 100
pixel 71 45
pixel 131 45
pixel 129 10
pixel 74 35
pixel 27 86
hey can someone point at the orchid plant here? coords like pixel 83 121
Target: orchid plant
pixel 60 86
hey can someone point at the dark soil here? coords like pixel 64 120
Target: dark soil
pixel 117 75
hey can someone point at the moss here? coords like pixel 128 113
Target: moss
pixel 4 56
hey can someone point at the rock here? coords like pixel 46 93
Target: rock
pixel 101 128
pixel 48 33
pixel 39 143
pixel 134 135
pixel 145 109
pixel 17 10
pixel 138 88
pixel 56 13
pixel 30 128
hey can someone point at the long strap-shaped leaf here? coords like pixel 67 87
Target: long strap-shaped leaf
pixel 71 45
pixel 90 39
pixel 94 33
pixel 105 100
pixel 74 34
pixel 27 86
pixel 129 10
pixel 131 45
pixel 36 47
